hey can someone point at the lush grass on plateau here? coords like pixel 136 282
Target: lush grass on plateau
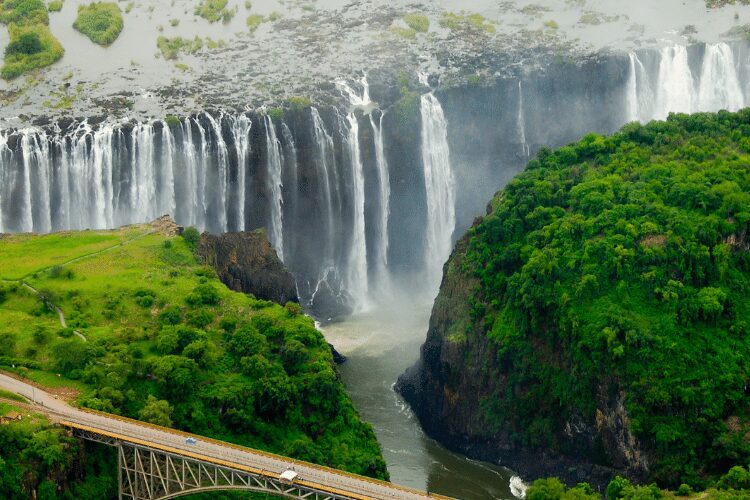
pixel 100 21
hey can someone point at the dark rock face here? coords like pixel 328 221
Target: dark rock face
pixel 246 262
pixel 458 369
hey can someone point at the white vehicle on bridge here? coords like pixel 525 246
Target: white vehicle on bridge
pixel 288 476
pixel 191 440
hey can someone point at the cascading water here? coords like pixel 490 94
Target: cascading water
pixel 719 85
pixel 274 161
pixel 676 88
pixel 340 226
pixel 241 126
pixel 356 277
pixel 384 184
pixel 440 187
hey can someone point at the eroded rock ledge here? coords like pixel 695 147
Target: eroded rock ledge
pixel 246 262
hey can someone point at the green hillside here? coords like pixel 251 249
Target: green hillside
pixel 152 334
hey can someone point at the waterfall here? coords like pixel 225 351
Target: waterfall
pixel 325 156
pixel 676 88
pixel 5 154
pixel 719 85
pixel 356 276
pixel 27 223
pixel 384 185
pixel 440 187
pixel 222 173
pixel 633 108
pixel 273 163
pixel 101 169
pixel 241 126
pixel 521 123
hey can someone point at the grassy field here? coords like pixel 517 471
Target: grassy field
pixel 162 339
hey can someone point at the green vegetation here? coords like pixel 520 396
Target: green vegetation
pixel 619 267
pixel 172 47
pixel 253 21
pixel 734 485
pixel 214 10
pixel 711 4
pixel 37 460
pixel 166 341
pixel 100 21
pixel 466 21
pixel 417 22
pixel 55 6
pixel 298 103
pixel 408 33
pixel 31 44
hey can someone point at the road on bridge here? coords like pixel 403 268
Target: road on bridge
pixel 175 441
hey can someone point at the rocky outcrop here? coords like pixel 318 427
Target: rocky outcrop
pixel 459 372
pixel 246 262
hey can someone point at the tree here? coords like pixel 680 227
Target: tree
pixel 71 355
pixel 192 237
pixel 156 411
pixel 27 43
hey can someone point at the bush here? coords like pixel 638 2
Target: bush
pixel 293 308
pixel 738 478
pixel 214 10
pixel 192 237
pixel 3 294
pixel 200 318
pixel 171 315
pixel 144 297
pixel 253 21
pixel 27 43
pixel 100 21
pixel 684 490
pixel 203 294
pixel 417 22
pixel 55 6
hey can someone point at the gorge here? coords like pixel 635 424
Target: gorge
pixel 364 187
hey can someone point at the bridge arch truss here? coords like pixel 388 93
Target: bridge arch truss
pixel 146 473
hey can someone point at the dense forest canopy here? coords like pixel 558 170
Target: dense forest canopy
pixel 619 267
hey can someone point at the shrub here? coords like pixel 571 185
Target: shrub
pixel 253 21
pixel 55 6
pixel 3 294
pixel 293 308
pixel 214 10
pixel 298 103
pixel 144 297
pixel 171 315
pixel 417 22
pixel 738 478
pixel 200 318
pixel 203 294
pixel 684 490
pixel 191 237
pixel 27 43
pixel 100 21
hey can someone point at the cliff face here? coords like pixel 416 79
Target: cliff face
pixel 593 322
pixel 246 262
pixel 459 372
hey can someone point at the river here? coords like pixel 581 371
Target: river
pixel 380 344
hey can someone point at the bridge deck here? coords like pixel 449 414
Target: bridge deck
pixel 323 479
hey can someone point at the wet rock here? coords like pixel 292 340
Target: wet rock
pixel 246 262
pixel 338 358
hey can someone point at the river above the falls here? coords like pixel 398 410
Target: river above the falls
pixel 380 344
